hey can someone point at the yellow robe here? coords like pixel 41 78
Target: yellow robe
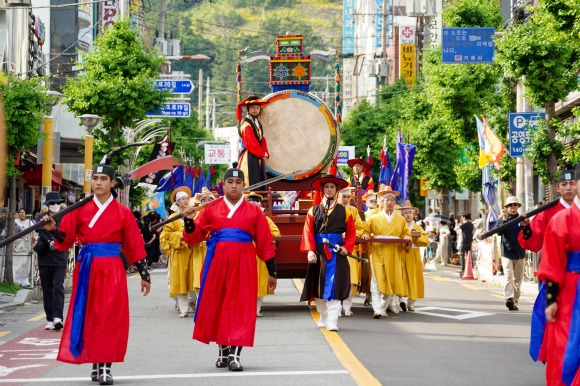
pixel 413 265
pixel 181 268
pixel 355 266
pixel 262 269
pixel 387 258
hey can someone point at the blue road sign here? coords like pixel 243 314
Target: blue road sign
pixel 176 86
pixel 467 45
pixel 520 125
pixel 172 110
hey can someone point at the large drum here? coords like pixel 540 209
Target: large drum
pixel 301 133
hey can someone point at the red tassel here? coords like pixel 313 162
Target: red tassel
pixel 238 68
pixel 211 169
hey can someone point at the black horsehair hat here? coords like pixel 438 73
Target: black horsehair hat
pixel 234 172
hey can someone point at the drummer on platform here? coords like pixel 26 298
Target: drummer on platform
pixel 359 177
pixel 254 149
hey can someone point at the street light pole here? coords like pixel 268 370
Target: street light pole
pixel 90 121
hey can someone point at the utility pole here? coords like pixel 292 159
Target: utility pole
pixel 207 127
pixel 124 8
pixel 384 39
pixel 200 97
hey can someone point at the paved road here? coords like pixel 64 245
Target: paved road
pixel 461 334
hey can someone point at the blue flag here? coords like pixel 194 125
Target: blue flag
pixel 407 154
pixel 200 183
pixel 208 178
pixel 386 171
pixel 172 180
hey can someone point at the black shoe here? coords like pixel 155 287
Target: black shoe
pixel 94 376
pixel 106 379
pixel 58 325
pixel 403 306
pixel 515 308
pixel 235 366
pixel 510 304
pixel 377 316
pixel 221 363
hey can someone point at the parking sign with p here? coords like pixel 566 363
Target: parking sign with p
pixel 520 125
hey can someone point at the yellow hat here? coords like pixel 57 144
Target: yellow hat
pixel 180 189
pixel 388 190
pixel 407 206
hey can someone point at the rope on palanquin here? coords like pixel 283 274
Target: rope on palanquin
pixel 337 89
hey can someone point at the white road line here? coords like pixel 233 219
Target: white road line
pixel 181 376
pixel 461 314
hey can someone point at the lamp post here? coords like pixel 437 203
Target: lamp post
pixel 48 145
pixel 90 121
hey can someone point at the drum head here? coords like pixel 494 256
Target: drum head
pixel 301 134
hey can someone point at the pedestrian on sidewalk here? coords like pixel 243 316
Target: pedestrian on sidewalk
pixel 226 307
pixel 97 325
pixel 51 268
pixel 466 228
pixel 512 254
pixel 555 339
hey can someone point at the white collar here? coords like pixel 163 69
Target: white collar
pixel 389 217
pixel 233 207
pixel 565 204
pixel 577 201
pixel 101 207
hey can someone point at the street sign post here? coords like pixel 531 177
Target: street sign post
pixel 176 86
pixel 467 45
pixel 173 110
pixel 519 131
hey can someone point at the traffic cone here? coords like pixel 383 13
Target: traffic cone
pixel 468 272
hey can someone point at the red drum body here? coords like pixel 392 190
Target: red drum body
pixel 301 132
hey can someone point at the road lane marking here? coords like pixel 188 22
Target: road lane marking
pixel 182 376
pixel 498 296
pixel 460 314
pixel 37 318
pixel 438 278
pixel 359 373
pixel 470 287
pixel 4 333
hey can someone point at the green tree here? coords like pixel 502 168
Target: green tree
pixel 25 104
pixel 116 83
pixel 546 61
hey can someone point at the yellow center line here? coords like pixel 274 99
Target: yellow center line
pixel 438 278
pixel 360 374
pixel 470 287
pixel 37 317
pixel 498 296
pixel 4 333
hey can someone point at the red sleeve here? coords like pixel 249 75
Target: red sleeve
pixel 251 142
pixel 350 234
pixel 554 253
pixel 68 225
pixel 133 244
pixel 371 185
pixel 308 243
pixel 263 237
pixel 538 226
pixel 199 234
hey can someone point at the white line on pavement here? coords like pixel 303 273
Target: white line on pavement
pixel 171 376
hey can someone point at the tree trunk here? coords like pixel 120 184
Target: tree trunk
pixel 552 161
pixel 8 266
pixel 444 202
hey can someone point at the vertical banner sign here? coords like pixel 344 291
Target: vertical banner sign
pixel 407 53
pixel 347 27
pixel 217 154
pixel 379 23
pixel 109 13
pixel 344 154
pixel 347 85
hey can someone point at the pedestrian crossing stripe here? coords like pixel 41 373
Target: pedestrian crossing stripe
pixel 444 313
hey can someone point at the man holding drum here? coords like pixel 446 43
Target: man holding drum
pixel 254 151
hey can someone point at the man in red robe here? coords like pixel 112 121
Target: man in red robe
pixel 555 337
pixel 226 306
pixel 254 151
pixel 532 235
pixel 97 325
pixel 328 273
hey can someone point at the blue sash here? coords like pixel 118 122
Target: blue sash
pixel 225 234
pixel 572 352
pixel 85 258
pixel 334 238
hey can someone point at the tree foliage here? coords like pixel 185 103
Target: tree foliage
pixel 116 82
pixel 25 103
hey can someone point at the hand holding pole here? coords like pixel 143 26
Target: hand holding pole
pixel 336 248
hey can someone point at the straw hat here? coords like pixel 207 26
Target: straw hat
pixel 368 194
pixel 348 191
pixel 354 161
pixel 196 199
pixel 254 195
pixel 205 192
pixel 338 182
pixel 180 189
pixel 388 190
pixel 407 206
pixel 512 200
